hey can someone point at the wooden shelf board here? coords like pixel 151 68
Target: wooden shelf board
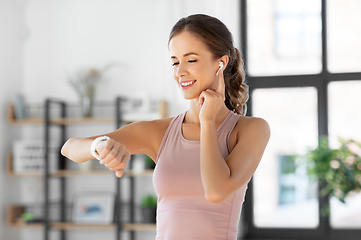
pixel 139 227
pixel 74 173
pixel 59 121
pixel 70 121
pixel 71 173
pixel 71 226
pixel 14 212
pixel 22 224
pixel 133 173
pixel 162 112
pixel 67 121
pixel 26 121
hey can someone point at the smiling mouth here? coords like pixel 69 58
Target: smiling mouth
pixel 187 84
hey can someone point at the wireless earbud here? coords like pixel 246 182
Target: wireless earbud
pixel 220 67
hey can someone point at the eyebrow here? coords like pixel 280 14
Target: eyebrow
pixel 185 55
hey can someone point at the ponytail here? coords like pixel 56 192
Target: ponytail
pixel 236 87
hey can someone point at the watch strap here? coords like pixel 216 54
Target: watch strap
pixel 94 143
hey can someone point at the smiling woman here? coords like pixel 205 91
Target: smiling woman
pixel 204 157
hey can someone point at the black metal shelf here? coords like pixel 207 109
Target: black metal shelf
pixel 63 173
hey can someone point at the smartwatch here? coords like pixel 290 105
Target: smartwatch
pixel 94 143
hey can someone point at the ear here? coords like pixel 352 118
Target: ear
pixel 225 60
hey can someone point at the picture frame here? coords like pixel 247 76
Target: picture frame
pixel 93 208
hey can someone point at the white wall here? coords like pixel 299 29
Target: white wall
pixel 66 35
pixel 47 40
pixel 11 74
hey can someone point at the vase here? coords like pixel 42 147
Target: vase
pixel 87 105
pixel 149 214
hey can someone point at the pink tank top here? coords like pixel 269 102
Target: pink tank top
pixel 183 213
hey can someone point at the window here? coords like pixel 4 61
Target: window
pixel 303 65
pixel 344 121
pixel 281 189
pixel 284 37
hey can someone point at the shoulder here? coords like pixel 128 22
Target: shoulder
pixel 160 124
pixel 153 126
pixel 252 127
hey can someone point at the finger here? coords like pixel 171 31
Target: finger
pixel 119 173
pixel 115 164
pixel 117 148
pixel 120 161
pixel 212 93
pixel 201 99
pixel 126 158
pixel 109 157
pixel 109 144
pixel 116 161
pixel 221 85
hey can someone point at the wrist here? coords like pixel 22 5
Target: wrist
pixel 208 124
pixel 93 146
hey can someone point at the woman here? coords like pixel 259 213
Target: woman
pixel 204 157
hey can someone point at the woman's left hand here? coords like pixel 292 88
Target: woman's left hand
pixel 211 101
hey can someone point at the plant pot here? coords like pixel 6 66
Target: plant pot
pixel 149 214
pixel 148 163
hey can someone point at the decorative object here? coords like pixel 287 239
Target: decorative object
pixel 85 82
pixel 28 156
pixel 338 171
pixel 136 102
pixel 19 106
pixel 93 208
pixel 148 205
pixel 148 162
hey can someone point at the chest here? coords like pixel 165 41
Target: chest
pixel 191 131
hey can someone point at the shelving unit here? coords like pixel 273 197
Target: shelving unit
pixel 14 211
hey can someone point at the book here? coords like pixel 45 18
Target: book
pixel 19 106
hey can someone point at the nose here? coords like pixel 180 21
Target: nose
pixel 181 70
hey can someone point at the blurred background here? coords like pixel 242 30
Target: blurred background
pixel 303 64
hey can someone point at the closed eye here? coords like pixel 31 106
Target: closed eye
pixel 190 61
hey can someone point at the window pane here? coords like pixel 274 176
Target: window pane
pixel 344 34
pixel 284 37
pixel 281 188
pixel 344 121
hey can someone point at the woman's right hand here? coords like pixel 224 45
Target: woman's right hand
pixel 113 155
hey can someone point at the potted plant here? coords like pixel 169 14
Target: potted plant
pixel 148 206
pixel 149 163
pixel 338 171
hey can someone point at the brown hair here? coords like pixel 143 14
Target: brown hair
pixel 220 42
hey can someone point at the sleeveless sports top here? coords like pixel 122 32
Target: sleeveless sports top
pixel 183 213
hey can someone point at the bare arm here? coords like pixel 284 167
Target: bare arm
pixel 140 137
pixel 221 177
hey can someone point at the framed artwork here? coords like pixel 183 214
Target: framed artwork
pixel 93 208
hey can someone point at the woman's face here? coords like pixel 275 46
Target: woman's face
pixel 194 67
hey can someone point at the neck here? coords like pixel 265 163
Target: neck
pixel 192 115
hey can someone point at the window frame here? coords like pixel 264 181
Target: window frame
pixel 320 81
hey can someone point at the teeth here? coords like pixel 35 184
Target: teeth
pixel 184 84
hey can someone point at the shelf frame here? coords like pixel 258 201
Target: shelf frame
pixel 15 211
